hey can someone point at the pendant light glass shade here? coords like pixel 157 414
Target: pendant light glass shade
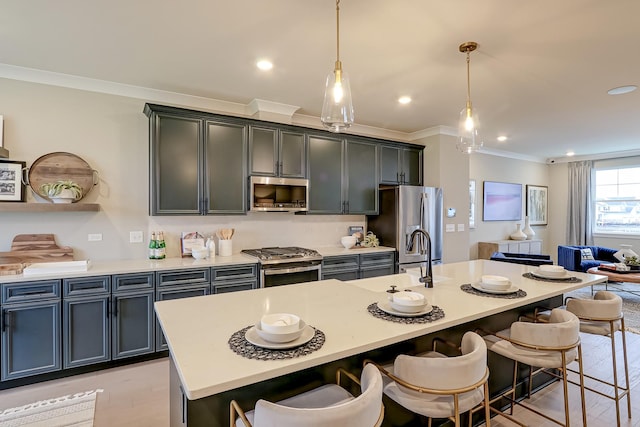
pixel 337 109
pixel 469 139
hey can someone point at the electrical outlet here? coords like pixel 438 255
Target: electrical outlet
pixel 96 237
pixel 450 228
pixel 460 227
pixel 136 237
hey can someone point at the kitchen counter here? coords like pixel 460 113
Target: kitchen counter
pixel 98 268
pixel 197 329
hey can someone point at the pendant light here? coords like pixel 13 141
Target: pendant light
pixel 469 140
pixel 337 109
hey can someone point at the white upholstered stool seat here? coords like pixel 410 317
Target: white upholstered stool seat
pixel 326 406
pixel 437 386
pixel 603 315
pixel 550 345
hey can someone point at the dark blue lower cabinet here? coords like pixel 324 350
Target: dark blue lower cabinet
pixel 30 339
pixel 132 324
pixel 175 293
pixel 86 331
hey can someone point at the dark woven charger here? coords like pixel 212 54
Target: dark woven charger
pixel 473 291
pixel 571 279
pixel 239 345
pixel 436 314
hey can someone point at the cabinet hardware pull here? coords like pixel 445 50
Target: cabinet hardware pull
pixel 42 291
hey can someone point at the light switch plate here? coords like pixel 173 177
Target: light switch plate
pixel 460 227
pixel 450 228
pixel 95 237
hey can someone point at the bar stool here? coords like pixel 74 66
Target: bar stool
pixel 326 406
pixel 437 386
pixel 603 316
pixel 547 346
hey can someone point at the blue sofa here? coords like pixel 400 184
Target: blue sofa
pixel 527 259
pixel 570 257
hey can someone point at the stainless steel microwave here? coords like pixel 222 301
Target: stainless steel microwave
pixel 270 194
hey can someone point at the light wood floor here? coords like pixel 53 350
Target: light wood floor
pixel 138 395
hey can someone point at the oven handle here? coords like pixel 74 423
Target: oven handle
pixel 274 271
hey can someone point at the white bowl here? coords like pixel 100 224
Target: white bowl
pixel 348 241
pixel 552 270
pixel 280 337
pixel 495 283
pixel 408 301
pixel 280 323
pixel 199 253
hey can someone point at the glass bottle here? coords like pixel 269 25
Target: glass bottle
pixel 153 246
pixel 162 247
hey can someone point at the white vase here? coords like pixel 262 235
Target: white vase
pixel 65 196
pixel 518 234
pixel 527 230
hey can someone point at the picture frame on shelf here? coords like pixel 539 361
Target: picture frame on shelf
pixel 11 187
pixel 537 206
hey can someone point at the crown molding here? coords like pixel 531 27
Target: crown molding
pixel 432 131
pixel 603 156
pixel 511 155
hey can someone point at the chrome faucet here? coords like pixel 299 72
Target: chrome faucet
pixel 423 241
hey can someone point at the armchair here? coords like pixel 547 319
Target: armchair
pixel 570 257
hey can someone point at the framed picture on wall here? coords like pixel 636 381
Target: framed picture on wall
pixel 537 209
pixel 11 187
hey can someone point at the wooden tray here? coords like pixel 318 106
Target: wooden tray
pixel 28 248
pixel 61 166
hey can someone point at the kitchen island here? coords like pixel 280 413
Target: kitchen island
pixel 206 373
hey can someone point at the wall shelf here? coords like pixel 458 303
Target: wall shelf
pixel 48 207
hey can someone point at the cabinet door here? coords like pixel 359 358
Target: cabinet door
pixel 362 179
pixel 263 145
pixel 86 332
pixel 411 166
pixel 132 324
pixel 293 154
pixel 325 175
pixel 389 165
pixel 226 155
pixel 175 166
pixel 30 339
pixel 222 287
pixel 170 293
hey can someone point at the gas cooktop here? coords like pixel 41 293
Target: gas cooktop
pixel 287 254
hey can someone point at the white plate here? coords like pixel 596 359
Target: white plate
pixel 252 336
pixel 386 307
pixel 478 286
pixel 543 275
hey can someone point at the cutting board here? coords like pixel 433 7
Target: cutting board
pixel 10 265
pixel 27 248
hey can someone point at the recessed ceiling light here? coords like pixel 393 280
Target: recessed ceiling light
pixel 502 138
pixel 404 99
pixel 622 89
pixel 264 65
pixel 570 153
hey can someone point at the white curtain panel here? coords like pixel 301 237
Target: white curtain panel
pixel 579 227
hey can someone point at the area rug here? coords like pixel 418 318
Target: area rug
pixel 630 294
pixel 75 410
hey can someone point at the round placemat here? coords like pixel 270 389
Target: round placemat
pixel 436 314
pixel 513 295
pixel 239 345
pixel 571 279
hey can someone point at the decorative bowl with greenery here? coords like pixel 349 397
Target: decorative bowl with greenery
pixel 65 191
pixel 632 262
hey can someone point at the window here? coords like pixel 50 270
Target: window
pixel 617 201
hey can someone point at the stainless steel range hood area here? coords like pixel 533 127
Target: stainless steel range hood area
pixel 269 194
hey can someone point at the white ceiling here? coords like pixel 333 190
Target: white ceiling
pixel 540 75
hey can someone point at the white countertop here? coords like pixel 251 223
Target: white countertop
pixel 198 329
pixel 98 268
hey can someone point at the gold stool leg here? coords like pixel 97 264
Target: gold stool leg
pixel 616 390
pixel 626 367
pixel 513 386
pixel 565 389
pixel 581 373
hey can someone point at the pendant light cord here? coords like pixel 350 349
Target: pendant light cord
pixel 468 82
pixel 338 30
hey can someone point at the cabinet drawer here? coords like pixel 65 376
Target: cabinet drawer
pixel 183 277
pixel 340 263
pixel 233 287
pixel 30 291
pixel 81 286
pixel 377 259
pixel 132 282
pixel 234 272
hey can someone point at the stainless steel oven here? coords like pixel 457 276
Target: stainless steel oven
pixel 286 266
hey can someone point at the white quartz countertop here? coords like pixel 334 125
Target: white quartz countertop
pixel 198 329
pixel 98 268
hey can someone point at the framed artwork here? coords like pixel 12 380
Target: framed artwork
pixel 472 203
pixel 537 209
pixel 11 187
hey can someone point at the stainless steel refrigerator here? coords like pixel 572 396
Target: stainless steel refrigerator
pixel 404 209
